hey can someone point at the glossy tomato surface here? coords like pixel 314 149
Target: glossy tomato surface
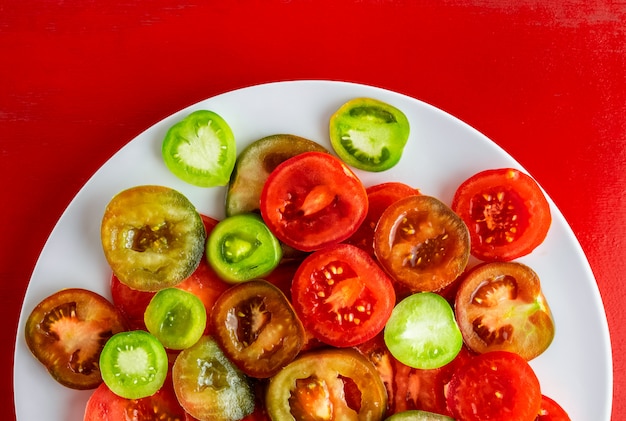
pixel 495 386
pixel 342 296
pixel 331 384
pixel 500 306
pixel 313 200
pixel 257 328
pixel 551 411
pixel 421 243
pixel 67 331
pixel 506 212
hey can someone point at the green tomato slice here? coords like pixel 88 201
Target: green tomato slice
pixel 176 317
pixel 200 149
pixel 422 332
pixel 369 134
pixel 241 247
pixel 133 364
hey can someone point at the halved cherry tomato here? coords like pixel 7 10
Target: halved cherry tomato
pixel 369 134
pixel 551 411
pixel 342 296
pixel 506 211
pixel 208 386
pixel 329 384
pixel 67 331
pixel 421 243
pixel 379 197
pixel 495 386
pixel 200 149
pixel 313 200
pixel 418 415
pixel 152 237
pixel 257 328
pixel 104 405
pixel 500 306
pixel 255 163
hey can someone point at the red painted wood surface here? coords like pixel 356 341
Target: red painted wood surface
pixel 545 80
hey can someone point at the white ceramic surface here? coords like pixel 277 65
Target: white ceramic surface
pixel 441 152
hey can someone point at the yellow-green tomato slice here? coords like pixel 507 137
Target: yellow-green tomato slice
pixel 176 317
pixel 200 149
pixel 209 386
pixel 418 415
pixel 241 247
pixel 133 364
pixel 369 134
pixel 422 332
pixel 152 236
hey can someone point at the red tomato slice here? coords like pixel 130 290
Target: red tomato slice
pixel 551 411
pixel 342 296
pixel 500 306
pixel 495 386
pixel 313 200
pixel 380 197
pixel 507 213
pixel 104 405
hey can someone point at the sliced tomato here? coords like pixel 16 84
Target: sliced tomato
pixel 257 328
pixel 329 384
pixel 380 197
pixel 104 405
pixel 313 200
pixel 506 211
pixel 500 306
pixel 495 386
pixel 421 243
pixel 342 296
pixel 551 411
pixel 67 331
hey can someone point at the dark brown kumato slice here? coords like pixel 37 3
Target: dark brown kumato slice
pixel 152 236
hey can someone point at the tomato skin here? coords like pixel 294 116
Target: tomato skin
pixel 104 405
pixel 551 411
pixel 67 331
pixel 494 386
pixel 421 244
pixel 506 212
pixel 337 384
pixel 257 328
pixel 342 296
pixel 313 200
pixel 379 197
pixel 500 306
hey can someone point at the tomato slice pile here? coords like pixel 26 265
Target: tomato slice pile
pixel 317 297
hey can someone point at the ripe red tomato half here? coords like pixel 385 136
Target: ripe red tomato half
pixel 500 306
pixel 506 211
pixel 495 386
pixel 313 200
pixel 342 296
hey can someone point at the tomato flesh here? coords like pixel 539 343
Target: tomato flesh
pixel 257 328
pixel 67 331
pixel 500 306
pixel 313 200
pixel 506 211
pixel 551 411
pixel 495 386
pixel 342 296
pixel 421 243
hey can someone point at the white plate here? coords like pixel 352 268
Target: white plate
pixel 442 151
